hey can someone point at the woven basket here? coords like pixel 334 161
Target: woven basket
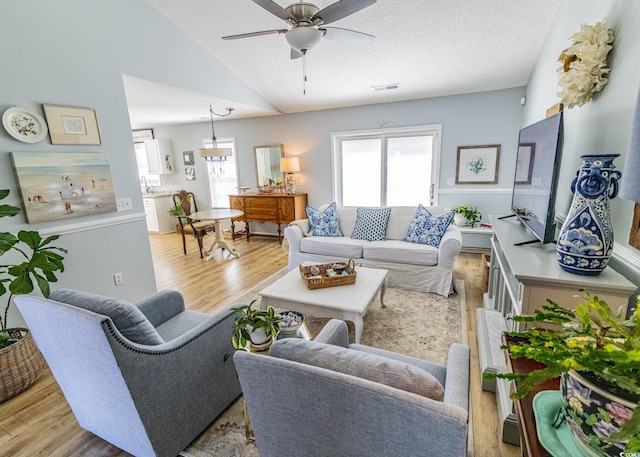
pixel 323 279
pixel 21 364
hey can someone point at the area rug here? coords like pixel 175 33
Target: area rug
pixel 413 323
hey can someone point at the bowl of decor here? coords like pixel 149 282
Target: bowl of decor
pixel 290 323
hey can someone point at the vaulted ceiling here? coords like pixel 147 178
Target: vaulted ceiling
pixel 428 48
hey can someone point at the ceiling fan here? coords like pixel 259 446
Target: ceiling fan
pixel 306 24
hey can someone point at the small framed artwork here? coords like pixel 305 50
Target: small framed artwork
pixel 190 173
pixel 71 125
pixel 187 156
pixel 140 136
pixel 477 164
pixel 524 163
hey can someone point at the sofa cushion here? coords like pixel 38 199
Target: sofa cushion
pixel 324 223
pixel 127 318
pixel 363 365
pixel 426 228
pixel 341 246
pixel 396 251
pixel 371 223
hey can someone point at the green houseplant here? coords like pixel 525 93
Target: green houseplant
pixel 253 326
pixel 20 360
pixel 594 344
pixel 471 214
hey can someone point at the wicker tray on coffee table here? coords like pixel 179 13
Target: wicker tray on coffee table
pixel 326 275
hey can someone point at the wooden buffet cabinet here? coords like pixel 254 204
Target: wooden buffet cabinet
pixel 277 208
pixel 521 279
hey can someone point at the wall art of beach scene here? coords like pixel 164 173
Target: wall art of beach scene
pixel 60 185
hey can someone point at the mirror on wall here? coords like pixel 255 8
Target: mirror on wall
pixel 268 164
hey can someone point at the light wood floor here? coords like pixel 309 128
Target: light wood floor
pixel 38 422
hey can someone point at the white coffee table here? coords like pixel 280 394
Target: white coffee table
pixel 341 302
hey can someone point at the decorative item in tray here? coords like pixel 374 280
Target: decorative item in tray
pixel 328 274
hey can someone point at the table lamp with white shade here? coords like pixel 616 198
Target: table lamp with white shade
pixel 290 165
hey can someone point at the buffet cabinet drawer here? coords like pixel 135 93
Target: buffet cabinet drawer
pixel 261 213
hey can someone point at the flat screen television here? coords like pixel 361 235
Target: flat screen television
pixel 536 177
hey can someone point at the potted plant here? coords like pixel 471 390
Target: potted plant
pixel 20 359
pixel 175 211
pixel 253 328
pixel 466 215
pixel 596 352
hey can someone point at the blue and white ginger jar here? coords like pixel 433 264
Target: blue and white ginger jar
pixel 586 238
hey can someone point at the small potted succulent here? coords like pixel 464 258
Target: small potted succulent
pixel 596 354
pixel 466 215
pixel 253 328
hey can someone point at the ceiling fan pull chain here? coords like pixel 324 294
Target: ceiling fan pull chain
pixel 304 74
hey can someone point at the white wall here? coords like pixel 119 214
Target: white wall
pixel 603 125
pixel 472 119
pixel 74 53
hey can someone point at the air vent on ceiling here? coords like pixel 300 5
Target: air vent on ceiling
pixel 385 87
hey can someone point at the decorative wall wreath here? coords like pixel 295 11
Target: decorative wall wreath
pixel 584 64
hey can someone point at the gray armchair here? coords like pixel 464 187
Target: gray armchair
pixel 326 397
pixel 148 378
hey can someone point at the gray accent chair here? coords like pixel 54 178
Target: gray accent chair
pixel 148 378
pixel 300 409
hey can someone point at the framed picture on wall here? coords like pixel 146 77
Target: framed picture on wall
pixel 477 164
pixel 190 173
pixel 140 136
pixel 72 125
pixel 187 156
pixel 63 185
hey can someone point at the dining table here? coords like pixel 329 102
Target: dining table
pixel 217 215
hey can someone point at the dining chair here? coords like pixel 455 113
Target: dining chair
pixel 185 204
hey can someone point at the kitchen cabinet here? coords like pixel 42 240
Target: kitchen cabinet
pixel 158 220
pixel 159 156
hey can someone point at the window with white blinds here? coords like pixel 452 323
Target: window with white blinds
pixel 223 176
pixel 390 167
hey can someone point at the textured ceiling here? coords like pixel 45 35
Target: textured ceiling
pixel 428 47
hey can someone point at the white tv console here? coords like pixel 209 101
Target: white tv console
pixel 521 279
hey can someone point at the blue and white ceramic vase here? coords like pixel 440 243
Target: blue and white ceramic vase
pixel 586 238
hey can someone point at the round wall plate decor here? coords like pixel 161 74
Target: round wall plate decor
pixel 24 124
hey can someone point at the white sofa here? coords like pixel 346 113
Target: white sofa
pixel 411 265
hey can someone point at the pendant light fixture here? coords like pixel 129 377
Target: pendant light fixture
pixel 214 153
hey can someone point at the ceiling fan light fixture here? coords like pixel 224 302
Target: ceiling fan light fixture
pixel 303 38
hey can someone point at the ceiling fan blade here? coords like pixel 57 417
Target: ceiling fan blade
pixel 275 9
pixel 340 9
pixel 296 54
pixel 347 36
pixel 247 35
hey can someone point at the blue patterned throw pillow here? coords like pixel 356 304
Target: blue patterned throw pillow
pixel 371 224
pixel 324 223
pixel 426 228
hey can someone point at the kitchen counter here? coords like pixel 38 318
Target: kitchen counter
pixel 157 194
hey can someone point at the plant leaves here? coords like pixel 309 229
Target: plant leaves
pixel 7 241
pixel 8 210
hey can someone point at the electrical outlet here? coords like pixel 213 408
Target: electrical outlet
pixel 118 279
pixel 451 182
pixel 124 204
